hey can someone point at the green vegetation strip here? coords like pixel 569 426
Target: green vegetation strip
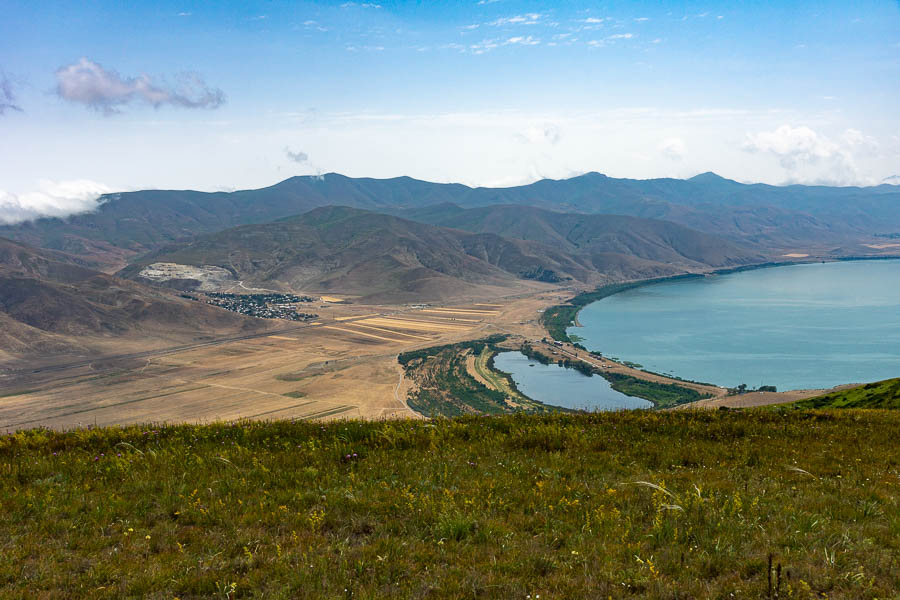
pixel 881 394
pixel 623 505
pixel 446 389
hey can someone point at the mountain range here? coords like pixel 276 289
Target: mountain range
pixel 768 217
pixel 384 258
pixel 400 240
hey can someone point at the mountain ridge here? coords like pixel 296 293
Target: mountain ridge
pixel 130 223
pixel 382 257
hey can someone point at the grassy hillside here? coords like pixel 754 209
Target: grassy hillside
pixel 633 504
pixel 881 394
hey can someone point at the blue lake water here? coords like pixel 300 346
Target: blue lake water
pixel 795 327
pixel 558 386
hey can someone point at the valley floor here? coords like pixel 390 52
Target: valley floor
pixel 342 366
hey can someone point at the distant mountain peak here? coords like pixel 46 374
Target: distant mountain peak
pixel 892 180
pixel 707 177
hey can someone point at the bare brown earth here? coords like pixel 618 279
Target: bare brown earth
pixel 342 366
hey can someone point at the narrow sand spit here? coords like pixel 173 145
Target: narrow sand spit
pixel 760 398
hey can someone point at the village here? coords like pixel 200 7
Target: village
pixel 263 306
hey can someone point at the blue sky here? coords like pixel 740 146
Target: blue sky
pixel 112 96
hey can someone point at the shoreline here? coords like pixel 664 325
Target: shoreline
pixel 574 307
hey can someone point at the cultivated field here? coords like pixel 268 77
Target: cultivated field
pixel 342 366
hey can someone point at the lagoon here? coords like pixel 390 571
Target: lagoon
pixel 558 386
pixel 796 327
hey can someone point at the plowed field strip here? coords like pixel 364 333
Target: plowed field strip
pixel 328 413
pixel 442 311
pixel 275 410
pixel 393 331
pixel 451 318
pixel 416 325
pixel 371 335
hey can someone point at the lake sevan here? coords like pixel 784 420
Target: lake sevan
pixel 559 386
pixel 794 327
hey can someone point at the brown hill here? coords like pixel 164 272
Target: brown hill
pixel 50 304
pixel 386 258
pixel 595 235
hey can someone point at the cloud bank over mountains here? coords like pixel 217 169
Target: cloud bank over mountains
pixel 52 199
pixel 89 83
pixel 812 158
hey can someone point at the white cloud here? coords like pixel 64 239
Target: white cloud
pixel 483 46
pixel 89 83
pixel 364 48
pixel 811 157
pixel 7 95
pixel 526 19
pixel 52 199
pixel 539 134
pixel 310 24
pixel 592 20
pixel 621 36
pixel 523 41
pixel 857 140
pixel 672 148
pixel 297 157
pixel 792 145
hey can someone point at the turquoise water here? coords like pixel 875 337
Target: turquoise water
pixel 558 386
pixel 795 327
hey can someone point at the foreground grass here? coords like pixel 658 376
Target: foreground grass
pixel 635 504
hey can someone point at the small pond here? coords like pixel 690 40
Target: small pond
pixel 568 388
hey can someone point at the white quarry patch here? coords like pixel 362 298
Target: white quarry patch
pixel 211 278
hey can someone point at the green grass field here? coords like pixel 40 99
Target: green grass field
pixel 881 394
pixel 484 367
pixel 633 504
pixel 444 388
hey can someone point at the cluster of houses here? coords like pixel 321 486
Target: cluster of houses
pixel 264 306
